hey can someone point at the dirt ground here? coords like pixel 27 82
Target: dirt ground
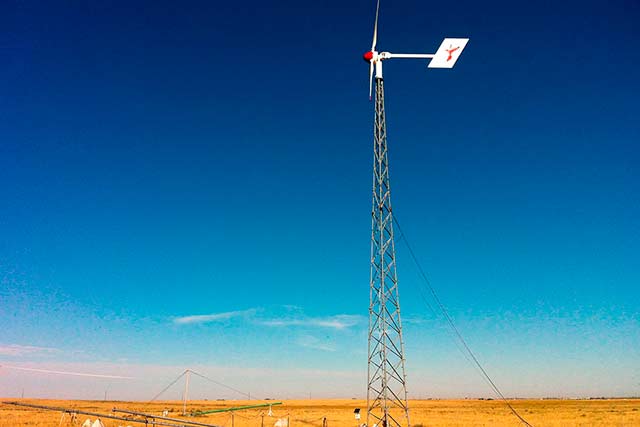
pixel 339 413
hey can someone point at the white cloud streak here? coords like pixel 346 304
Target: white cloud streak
pixel 340 321
pixel 314 343
pixel 77 374
pixel 22 350
pixel 416 320
pixel 214 317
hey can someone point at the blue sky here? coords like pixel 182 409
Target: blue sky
pixel 166 161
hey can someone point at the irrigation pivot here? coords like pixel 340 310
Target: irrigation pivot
pixel 386 385
pixel 154 420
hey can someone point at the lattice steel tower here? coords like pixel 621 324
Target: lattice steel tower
pixel 386 390
pixel 387 381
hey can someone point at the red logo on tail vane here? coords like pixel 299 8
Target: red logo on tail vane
pixel 450 51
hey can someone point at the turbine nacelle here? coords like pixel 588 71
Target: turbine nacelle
pixel 375 57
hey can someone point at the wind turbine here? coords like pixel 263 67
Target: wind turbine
pixel 386 384
pixel 445 57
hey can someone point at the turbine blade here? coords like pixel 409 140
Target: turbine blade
pixel 370 79
pixel 375 29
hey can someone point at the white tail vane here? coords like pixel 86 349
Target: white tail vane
pixel 445 57
pixel 448 53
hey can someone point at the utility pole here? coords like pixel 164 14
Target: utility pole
pixel 186 392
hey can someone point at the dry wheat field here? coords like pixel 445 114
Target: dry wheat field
pixel 339 413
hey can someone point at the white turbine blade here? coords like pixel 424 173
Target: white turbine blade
pixel 370 79
pixel 375 29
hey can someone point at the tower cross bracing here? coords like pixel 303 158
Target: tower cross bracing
pixel 386 389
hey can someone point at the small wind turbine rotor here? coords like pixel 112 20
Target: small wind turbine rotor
pixel 368 57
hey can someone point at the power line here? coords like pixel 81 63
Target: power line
pixel 453 326
pixel 452 335
pixel 203 377
pixel 169 386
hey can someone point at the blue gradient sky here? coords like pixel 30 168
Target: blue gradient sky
pixel 168 160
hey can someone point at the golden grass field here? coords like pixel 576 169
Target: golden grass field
pixel 339 413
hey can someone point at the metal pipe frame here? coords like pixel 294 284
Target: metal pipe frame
pixel 113 417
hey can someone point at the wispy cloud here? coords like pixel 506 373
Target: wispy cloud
pixel 22 350
pixel 312 342
pixel 214 317
pixel 339 321
pixel 417 320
